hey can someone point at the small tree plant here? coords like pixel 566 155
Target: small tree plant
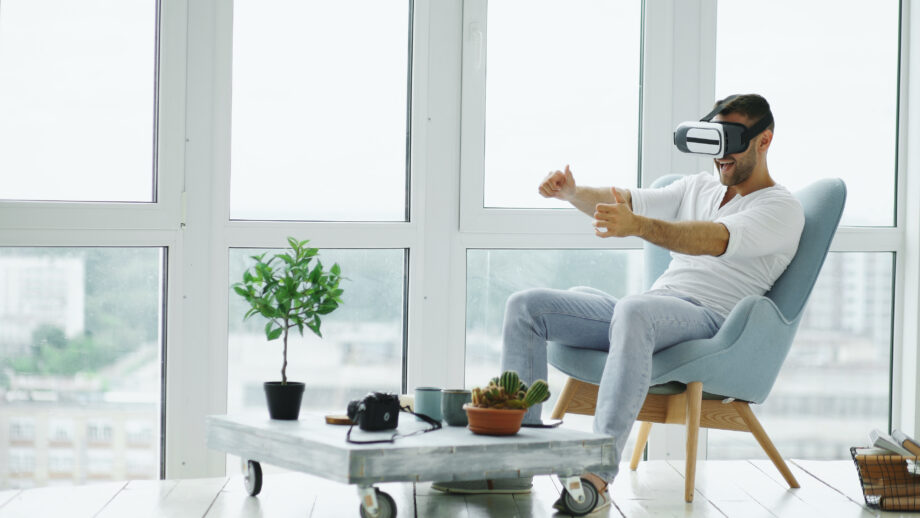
pixel 288 293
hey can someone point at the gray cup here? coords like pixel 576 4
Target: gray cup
pixel 428 402
pixel 452 402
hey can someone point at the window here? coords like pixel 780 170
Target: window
pixel 836 376
pixel 844 58
pixel 99 432
pixel 77 102
pixel 60 463
pixel 494 275
pixel 320 110
pixel 81 332
pixel 193 134
pixel 61 431
pixel 561 88
pixel 22 429
pixel 21 462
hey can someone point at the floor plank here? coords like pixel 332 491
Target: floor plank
pixel 815 492
pixel 282 495
pixel 138 499
pixel 778 498
pixel 539 502
pixel 656 489
pixel 840 475
pixel 68 501
pixel 191 498
pixel 725 495
pixel 733 489
pixel 7 495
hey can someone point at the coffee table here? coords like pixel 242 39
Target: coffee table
pixel 311 446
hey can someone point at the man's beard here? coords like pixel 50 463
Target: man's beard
pixel 743 169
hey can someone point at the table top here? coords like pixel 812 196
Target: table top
pixel 452 453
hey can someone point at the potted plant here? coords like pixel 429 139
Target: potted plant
pixel 289 293
pixel 499 408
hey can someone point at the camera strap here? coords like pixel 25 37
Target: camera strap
pixel 433 425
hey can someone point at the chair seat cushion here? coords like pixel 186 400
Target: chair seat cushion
pixel 588 365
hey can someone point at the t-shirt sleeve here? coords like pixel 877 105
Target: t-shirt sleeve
pixel 773 226
pixel 659 203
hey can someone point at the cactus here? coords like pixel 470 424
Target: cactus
pixel 510 381
pixel 508 391
pixel 538 393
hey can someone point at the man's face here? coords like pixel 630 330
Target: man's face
pixel 738 167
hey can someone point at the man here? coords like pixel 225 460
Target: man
pixel 730 237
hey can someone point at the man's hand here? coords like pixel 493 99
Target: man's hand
pixel 617 218
pixel 558 184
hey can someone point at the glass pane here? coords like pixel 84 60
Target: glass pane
pixel 493 275
pixel 80 370
pixel 833 387
pixel 835 65
pixel 562 88
pixel 77 84
pixel 362 344
pixel 319 110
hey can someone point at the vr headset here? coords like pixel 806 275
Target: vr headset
pixel 717 139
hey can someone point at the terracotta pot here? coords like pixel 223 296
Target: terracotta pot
pixel 494 421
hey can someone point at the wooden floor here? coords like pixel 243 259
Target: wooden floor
pixel 744 489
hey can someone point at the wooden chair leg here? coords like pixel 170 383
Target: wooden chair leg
pixel 744 410
pixel 644 428
pixel 694 407
pixel 565 398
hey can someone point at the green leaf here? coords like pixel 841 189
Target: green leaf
pixel 275 334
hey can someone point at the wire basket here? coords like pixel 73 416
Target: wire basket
pixel 889 482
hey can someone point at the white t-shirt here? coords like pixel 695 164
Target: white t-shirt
pixel 764 230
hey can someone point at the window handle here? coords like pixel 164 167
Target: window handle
pixel 476 41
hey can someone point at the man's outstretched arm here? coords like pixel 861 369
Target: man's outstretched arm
pixel 686 237
pixel 561 185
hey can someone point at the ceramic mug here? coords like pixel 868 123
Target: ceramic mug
pixel 452 402
pixel 428 402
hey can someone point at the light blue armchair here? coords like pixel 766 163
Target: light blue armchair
pixel 738 365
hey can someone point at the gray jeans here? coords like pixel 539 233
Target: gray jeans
pixel 631 329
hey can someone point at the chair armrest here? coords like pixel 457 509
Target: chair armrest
pixel 742 360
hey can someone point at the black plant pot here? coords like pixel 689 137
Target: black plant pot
pixel 284 400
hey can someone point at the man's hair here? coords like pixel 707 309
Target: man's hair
pixel 752 106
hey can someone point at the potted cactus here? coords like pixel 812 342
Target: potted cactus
pixel 289 292
pixel 499 408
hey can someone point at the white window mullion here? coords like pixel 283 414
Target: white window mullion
pixel 906 380
pixel 196 359
pixel 678 85
pixel 437 262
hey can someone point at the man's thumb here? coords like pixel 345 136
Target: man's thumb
pixel 616 195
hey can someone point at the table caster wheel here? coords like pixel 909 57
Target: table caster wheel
pixel 252 477
pixel 587 505
pixel 386 506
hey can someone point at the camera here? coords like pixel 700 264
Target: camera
pixel 376 411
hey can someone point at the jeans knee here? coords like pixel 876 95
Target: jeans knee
pixel 522 304
pixel 632 310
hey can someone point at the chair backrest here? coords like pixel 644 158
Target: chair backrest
pixel 823 203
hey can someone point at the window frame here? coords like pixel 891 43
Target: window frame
pixel 190 217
